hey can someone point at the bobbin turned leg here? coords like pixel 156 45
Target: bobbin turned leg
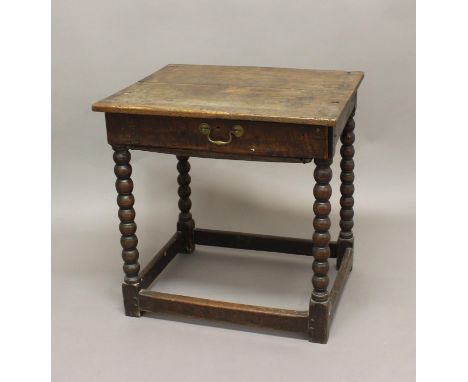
pixel 185 224
pixel 346 238
pixel 319 308
pixel 129 241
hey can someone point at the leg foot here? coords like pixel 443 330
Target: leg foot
pixel 319 322
pixel 130 297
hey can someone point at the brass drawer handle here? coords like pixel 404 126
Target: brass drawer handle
pixel 237 131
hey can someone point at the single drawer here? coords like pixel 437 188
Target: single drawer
pixel 221 138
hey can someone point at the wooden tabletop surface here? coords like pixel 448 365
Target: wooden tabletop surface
pixel 305 96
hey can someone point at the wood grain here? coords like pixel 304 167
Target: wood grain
pixel 274 318
pixel 304 96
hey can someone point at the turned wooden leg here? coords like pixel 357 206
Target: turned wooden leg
pixel 129 240
pixel 346 239
pixel 319 307
pixel 185 224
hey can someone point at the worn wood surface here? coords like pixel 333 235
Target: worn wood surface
pixel 130 299
pixel 274 318
pixel 303 96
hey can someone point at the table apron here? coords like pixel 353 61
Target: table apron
pixel 258 140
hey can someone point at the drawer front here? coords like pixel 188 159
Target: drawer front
pixel 218 136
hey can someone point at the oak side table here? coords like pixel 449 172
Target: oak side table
pixel 243 113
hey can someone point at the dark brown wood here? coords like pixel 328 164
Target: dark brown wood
pixel 319 305
pixel 185 224
pixel 346 237
pixel 259 139
pixel 129 241
pixel 160 261
pixel 257 242
pixel 130 298
pixel 321 237
pixel 281 319
pixel 213 155
pixel 319 321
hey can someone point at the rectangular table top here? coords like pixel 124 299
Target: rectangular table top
pixel 302 96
